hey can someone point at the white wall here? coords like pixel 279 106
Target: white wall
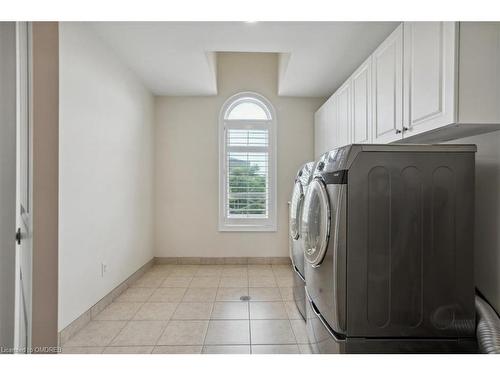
pixel 186 162
pixel 105 171
pixel 487 225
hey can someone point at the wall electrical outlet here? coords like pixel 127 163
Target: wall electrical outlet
pixel 104 269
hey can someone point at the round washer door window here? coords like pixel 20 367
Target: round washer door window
pixel 295 208
pixel 315 222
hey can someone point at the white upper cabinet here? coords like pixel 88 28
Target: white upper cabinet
pixel 331 124
pixel 427 82
pixel 452 80
pixel 361 119
pixel 430 80
pixel 319 132
pixel 325 127
pixel 387 89
pixel 343 111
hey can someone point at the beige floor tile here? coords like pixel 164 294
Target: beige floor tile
pixel 172 349
pixel 268 310
pixel 259 268
pixel 135 295
pixel 206 271
pixel 183 272
pixel 149 280
pixel 226 349
pixel 287 293
pixel 300 331
pixel 235 266
pixel 284 277
pixel 205 282
pixel 139 333
pixel 228 332
pixel 193 311
pixel 272 332
pixel 262 281
pixel 176 282
pixel 235 271
pixel 156 311
pixel 128 350
pixel 176 317
pixel 81 350
pixel 233 282
pixel 184 332
pixel 282 269
pixel 275 349
pixel 200 295
pixel 96 333
pixel 167 295
pixel 265 294
pixel 284 281
pixel 292 310
pixel 230 310
pixel 261 273
pixel 163 271
pixel 119 311
pixel 231 294
pixel 305 349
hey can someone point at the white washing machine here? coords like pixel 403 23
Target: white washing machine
pixel 302 181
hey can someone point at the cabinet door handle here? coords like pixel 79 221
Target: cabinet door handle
pixel 398 131
pixel 405 129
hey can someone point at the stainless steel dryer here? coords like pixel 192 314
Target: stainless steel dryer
pixel 296 251
pixel 388 241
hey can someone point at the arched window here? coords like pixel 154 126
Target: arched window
pixel 247 139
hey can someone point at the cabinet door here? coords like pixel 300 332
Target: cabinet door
pixel 343 105
pixel 387 89
pixel 319 130
pixel 331 137
pixel 430 66
pixel 361 125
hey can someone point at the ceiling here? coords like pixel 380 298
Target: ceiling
pixel 179 58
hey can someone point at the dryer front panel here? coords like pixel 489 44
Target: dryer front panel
pixel 295 210
pixel 325 250
pixel 316 223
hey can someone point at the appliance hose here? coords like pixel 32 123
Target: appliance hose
pixel 488 328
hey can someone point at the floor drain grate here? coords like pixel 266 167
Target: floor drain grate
pixel 245 298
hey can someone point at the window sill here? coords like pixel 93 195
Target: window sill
pixel 247 228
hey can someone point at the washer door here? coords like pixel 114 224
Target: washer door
pixel 295 208
pixel 316 222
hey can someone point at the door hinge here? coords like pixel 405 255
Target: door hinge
pixel 18 236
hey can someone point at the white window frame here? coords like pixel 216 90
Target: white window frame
pixel 268 224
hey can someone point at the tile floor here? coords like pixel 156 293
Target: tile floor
pixel 197 309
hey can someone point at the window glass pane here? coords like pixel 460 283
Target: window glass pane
pixel 247 184
pixel 248 137
pixel 247 110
